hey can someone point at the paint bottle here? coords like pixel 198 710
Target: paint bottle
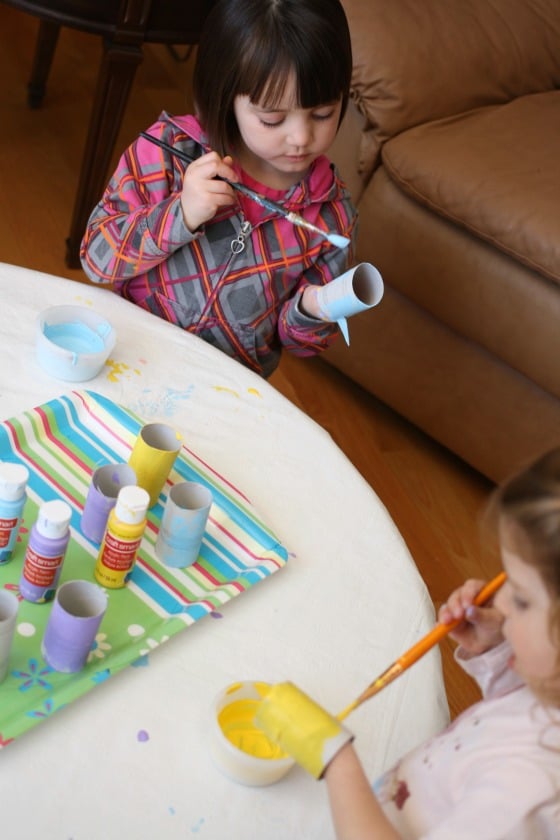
pixel 46 548
pixel 122 539
pixel 13 482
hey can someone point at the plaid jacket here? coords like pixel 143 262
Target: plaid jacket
pixel 238 280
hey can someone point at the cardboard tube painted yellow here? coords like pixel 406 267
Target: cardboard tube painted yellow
pixel 153 456
pixel 301 727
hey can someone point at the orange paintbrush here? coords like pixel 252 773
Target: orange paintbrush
pixel 419 649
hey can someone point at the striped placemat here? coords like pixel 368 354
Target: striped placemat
pixel 62 442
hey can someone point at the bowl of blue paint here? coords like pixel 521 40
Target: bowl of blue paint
pixel 73 342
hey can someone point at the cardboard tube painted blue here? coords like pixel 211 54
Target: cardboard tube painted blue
pixel 183 524
pixel 358 289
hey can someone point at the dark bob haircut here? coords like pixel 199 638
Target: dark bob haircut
pixel 250 48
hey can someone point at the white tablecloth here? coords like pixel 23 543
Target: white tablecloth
pixel 84 774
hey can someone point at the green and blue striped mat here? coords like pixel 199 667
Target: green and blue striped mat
pixel 61 443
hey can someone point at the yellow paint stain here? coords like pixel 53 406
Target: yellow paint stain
pixel 254 392
pixel 236 722
pixel 227 390
pixel 117 369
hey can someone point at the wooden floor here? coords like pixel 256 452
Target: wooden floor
pixel 434 498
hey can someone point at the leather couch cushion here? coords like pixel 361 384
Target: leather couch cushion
pixel 469 287
pixel 420 60
pixel 494 171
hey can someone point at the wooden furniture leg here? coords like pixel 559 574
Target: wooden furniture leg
pixel 47 39
pixel 114 82
pixel 125 26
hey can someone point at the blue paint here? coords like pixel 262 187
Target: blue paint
pixel 75 336
pixel 141 662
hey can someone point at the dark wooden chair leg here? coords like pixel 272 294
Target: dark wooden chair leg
pixel 114 82
pixel 47 39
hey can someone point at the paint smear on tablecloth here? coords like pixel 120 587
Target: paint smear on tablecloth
pixel 221 388
pixel 253 391
pixel 161 402
pixel 118 370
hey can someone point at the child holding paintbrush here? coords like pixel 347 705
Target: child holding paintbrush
pixel 271 84
pixel 494 774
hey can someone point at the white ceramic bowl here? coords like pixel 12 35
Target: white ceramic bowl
pixel 233 712
pixel 73 342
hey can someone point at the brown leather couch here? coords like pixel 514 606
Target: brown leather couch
pixel 452 151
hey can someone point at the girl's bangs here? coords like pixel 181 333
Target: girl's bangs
pixel 265 74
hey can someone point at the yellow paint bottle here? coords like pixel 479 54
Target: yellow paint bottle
pixel 122 539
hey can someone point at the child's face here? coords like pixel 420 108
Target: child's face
pixel 525 603
pixel 278 146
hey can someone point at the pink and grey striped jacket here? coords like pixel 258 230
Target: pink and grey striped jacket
pixel 237 281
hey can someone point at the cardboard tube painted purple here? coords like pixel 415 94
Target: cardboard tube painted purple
pixel 183 524
pixel 8 615
pixel 77 611
pixel 356 290
pixel 153 456
pixel 106 482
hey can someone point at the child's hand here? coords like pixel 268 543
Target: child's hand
pixel 481 627
pixel 310 303
pixel 301 727
pixel 203 193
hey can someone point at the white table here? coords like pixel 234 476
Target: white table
pixel 83 773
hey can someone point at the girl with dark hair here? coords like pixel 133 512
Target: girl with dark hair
pixel 271 84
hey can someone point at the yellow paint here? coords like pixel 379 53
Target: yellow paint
pixel 116 369
pixel 236 722
pixel 227 390
pixel 305 729
pixel 117 554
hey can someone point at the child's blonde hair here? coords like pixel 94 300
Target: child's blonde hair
pixel 530 503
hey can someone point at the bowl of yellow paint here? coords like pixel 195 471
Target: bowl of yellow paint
pixel 239 748
pixel 73 342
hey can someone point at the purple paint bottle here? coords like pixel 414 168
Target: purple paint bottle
pixel 46 548
pixel 13 481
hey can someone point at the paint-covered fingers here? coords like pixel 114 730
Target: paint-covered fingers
pixel 301 727
pixel 204 190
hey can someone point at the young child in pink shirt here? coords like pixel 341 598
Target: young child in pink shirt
pixel 271 85
pixel 494 773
